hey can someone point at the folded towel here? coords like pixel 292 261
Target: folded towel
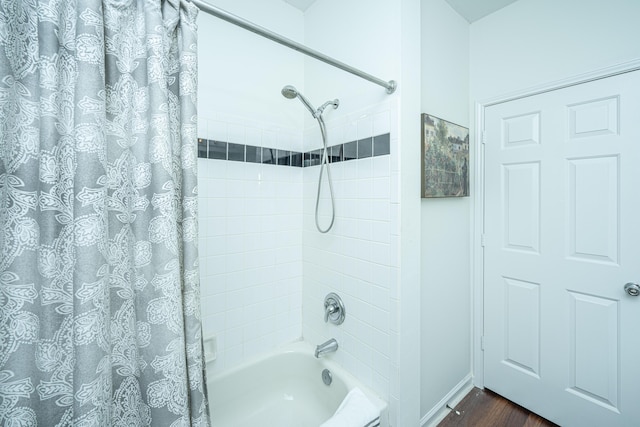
pixel 356 410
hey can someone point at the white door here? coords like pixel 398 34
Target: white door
pixel 562 238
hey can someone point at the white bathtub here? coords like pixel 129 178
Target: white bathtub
pixel 283 389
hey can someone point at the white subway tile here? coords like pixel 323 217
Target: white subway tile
pixel 217 168
pixel 269 139
pixel 253 136
pixel 381 363
pixel 381 231
pixel 235 171
pixel 236 133
pixel 214 284
pixel 213 265
pixel 235 243
pixel 204 169
pixel 235 224
pixel 350 131
pixel 381 123
pixel 232 337
pixel 365 169
pixel 365 127
pixel 213 246
pixel 365 190
pixel 234 318
pixel 203 128
pixel 234 299
pixel 214 323
pixel 394 210
pixel 234 281
pixel 381 188
pixel 380 384
pixel 381 166
pixel 218 130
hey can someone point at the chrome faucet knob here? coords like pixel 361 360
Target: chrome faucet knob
pixel 329 310
pixel 334 309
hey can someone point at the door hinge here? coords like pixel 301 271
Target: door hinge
pixel 483 137
pixel 482 240
pixel 482 343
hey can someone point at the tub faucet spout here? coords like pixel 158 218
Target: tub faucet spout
pixel 327 347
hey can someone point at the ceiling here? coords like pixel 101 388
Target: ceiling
pixel 303 5
pixel 471 10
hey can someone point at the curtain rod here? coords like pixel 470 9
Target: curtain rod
pixel 247 25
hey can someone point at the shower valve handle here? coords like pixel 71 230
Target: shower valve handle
pixel 333 309
pixel 330 309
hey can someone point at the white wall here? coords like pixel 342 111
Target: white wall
pixel 242 73
pixel 407 390
pixel 250 214
pixel 445 238
pixel 363 34
pixel 531 42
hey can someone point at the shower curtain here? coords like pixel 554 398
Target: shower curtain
pixel 99 282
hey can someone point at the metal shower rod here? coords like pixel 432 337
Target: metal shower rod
pixel 247 25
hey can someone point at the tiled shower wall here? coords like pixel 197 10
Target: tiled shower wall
pixel 250 217
pixel 358 258
pixel 258 243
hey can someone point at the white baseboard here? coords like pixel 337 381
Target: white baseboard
pixel 440 411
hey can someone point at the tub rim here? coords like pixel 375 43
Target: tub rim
pixel 307 349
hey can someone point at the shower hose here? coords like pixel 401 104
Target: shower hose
pixel 324 164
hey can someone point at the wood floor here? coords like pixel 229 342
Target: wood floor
pixel 484 408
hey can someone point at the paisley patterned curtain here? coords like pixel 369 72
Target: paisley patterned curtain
pixel 99 282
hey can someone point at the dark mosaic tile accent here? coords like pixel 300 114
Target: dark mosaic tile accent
pixel 269 155
pixel 217 150
pixel 350 151
pixel 296 159
pixel 202 148
pixel 365 148
pixel 284 157
pixel 322 154
pixel 316 157
pixel 378 145
pixel 236 152
pixel 335 153
pixel 254 154
pixel 382 145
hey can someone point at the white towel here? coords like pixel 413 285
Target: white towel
pixel 356 410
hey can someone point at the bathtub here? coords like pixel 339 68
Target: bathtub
pixel 283 389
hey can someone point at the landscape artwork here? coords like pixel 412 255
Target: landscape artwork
pixel 445 158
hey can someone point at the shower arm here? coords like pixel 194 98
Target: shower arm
pixel 390 85
pixel 335 103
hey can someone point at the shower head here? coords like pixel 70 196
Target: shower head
pixel 291 92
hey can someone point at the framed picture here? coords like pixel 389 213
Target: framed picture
pixel 445 158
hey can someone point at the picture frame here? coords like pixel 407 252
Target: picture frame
pixel 445 158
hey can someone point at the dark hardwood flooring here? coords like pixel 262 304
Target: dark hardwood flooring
pixel 484 408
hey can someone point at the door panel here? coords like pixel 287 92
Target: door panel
pixel 562 237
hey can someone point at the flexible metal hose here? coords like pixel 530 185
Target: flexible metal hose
pixel 324 163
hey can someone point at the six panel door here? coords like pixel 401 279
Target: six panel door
pixel 562 237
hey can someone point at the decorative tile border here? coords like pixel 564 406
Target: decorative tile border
pixel 368 147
